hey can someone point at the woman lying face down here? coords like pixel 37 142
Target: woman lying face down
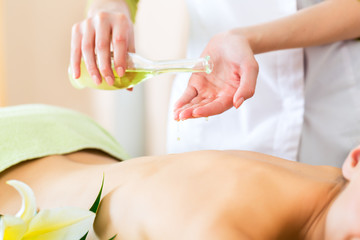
pixel 213 195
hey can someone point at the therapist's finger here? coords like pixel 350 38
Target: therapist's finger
pixel 219 105
pixel 195 102
pixel 75 58
pixel 87 48
pixel 188 110
pixel 120 43
pixel 185 114
pixel 247 85
pixel 188 95
pixel 102 41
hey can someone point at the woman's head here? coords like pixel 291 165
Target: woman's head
pixel 343 219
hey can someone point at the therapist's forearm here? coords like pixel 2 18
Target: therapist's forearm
pixel 326 22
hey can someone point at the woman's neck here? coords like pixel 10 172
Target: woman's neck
pixel 315 227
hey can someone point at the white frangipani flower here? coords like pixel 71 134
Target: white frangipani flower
pixel 59 223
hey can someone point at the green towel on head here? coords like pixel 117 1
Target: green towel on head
pixel 33 131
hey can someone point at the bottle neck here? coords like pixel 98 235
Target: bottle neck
pixel 185 65
pixel 182 65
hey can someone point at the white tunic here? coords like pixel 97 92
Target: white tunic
pixel 306 105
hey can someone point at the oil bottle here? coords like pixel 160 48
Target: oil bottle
pixel 140 69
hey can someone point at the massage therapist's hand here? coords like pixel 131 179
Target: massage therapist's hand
pixel 232 81
pixel 108 24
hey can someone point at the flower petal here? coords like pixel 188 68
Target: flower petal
pixel 60 223
pixel 12 228
pixel 28 206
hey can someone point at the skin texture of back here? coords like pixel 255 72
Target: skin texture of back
pixel 200 195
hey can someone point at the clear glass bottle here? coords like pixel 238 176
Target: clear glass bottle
pixel 140 69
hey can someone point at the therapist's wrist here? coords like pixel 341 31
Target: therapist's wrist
pixel 115 6
pixel 254 38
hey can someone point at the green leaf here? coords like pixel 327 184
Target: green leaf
pixel 95 205
pixel 113 237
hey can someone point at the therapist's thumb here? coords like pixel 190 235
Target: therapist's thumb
pixel 247 85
